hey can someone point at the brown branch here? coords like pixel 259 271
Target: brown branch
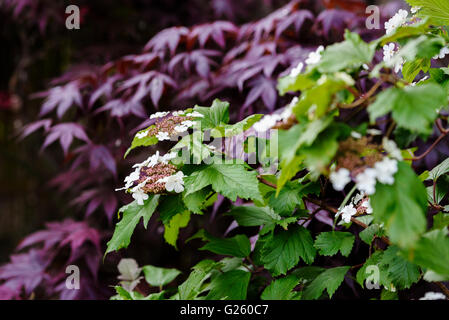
pixel 364 97
pixel 437 141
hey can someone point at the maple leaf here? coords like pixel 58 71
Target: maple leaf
pixel 61 98
pixel 200 59
pixel 65 132
pixel 167 39
pixel 217 31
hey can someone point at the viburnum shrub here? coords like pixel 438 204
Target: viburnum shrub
pixel 94 112
pixel 335 168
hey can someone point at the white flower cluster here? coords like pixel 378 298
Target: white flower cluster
pixel 174 183
pixel 297 70
pixel 184 126
pixel 350 210
pixel 269 121
pixel 443 52
pixel 142 134
pixel 392 149
pixel 315 57
pixel 389 52
pixel 159 115
pixel 399 19
pixel 340 178
pixel 433 296
pixel 383 172
pixel 136 191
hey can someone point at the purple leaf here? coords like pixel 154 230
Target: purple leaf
pixel 62 98
pixel 65 132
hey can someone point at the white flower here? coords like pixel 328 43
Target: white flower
pixel 138 193
pixel 178 113
pixel 396 21
pixel 389 50
pixel 267 122
pixel 347 212
pixel 391 148
pixel 139 196
pixel 159 115
pixel 374 132
pixel 286 114
pixel 367 205
pixel 358 197
pixel 315 57
pixel 167 157
pixel 356 135
pixel 196 114
pixel 174 182
pixel 443 52
pixel 366 181
pixel 385 170
pixel 161 136
pixel 340 178
pixel 141 135
pixel 188 123
pixel 433 296
pixel 297 70
pixel 181 128
pixel 414 10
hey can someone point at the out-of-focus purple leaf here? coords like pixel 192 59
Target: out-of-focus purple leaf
pixel 62 98
pixel 65 132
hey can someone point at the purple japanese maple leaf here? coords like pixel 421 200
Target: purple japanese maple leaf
pixel 167 39
pixel 26 270
pixel 61 98
pixel 199 59
pixel 65 132
pixel 216 31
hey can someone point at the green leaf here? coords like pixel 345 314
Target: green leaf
pixel 412 68
pixel 238 246
pixel 440 221
pixel 432 252
pixel 373 270
pixel 401 272
pixel 329 280
pixel 283 250
pixel 413 108
pixel 351 53
pixel 192 286
pixel 132 213
pixel 196 201
pixel 142 142
pixel 369 233
pixel 171 232
pixel 437 10
pixel 231 285
pixel 329 243
pixel 439 170
pixel 301 82
pixel 214 116
pixel 401 207
pixel 193 143
pixel 230 180
pixel 280 289
pixel 158 277
pixel 251 216
pixel 170 206
pixel 289 197
pixel 230 130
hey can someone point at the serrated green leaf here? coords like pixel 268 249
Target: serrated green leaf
pixel 351 53
pixel 328 280
pixel 158 277
pixel 238 246
pixel 214 116
pixel 329 243
pixel 283 250
pixel 401 206
pixel 132 214
pixel 413 108
pixel 192 286
pixel 280 289
pixel 401 272
pixel 230 180
pixel 231 285
pixel 141 142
